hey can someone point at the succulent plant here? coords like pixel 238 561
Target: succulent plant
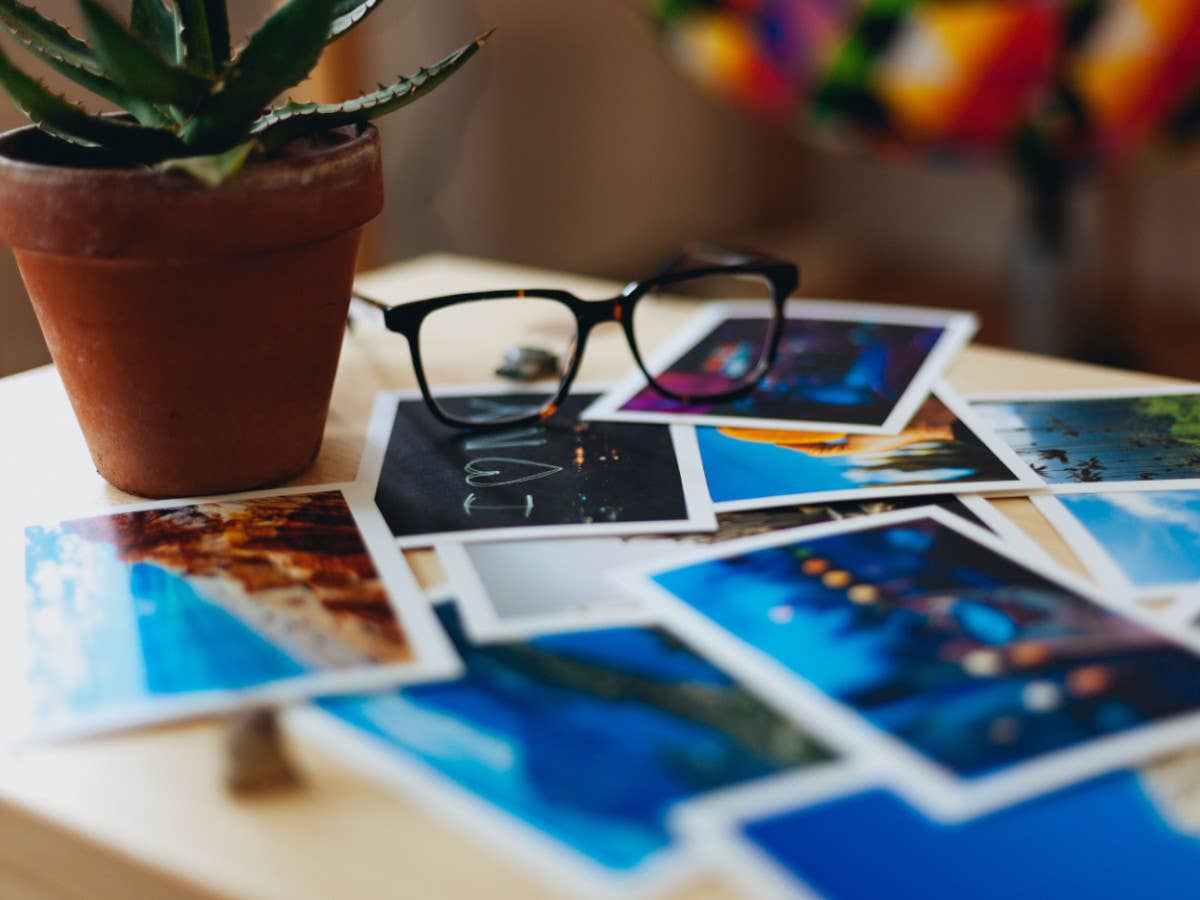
pixel 191 99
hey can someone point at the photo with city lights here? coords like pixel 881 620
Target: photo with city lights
pixel 975 676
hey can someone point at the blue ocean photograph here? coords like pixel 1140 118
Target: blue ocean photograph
pixel 1106 439
pixel 590 737
pixel 1124 835
pixel 937 451
pixel 969 658
pixel 1152 537
pixel 147 615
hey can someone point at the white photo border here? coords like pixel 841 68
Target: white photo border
pixel 1002 525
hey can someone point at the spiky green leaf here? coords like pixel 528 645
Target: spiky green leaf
pixel 218 31
pixel 214 168
pixel 144 112
pixel 297 119
pixel 69 64
pixel 135 65
pixel 197 43
pixel 348 14
pixel 159 25
pixel 279 55
pixel 60 117
pixel 35 30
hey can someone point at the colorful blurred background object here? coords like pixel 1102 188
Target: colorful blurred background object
pixel 1057 88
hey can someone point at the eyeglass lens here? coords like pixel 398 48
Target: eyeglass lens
pixel 729 359
pixel 518 344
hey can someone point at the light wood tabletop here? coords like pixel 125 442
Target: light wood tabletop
pixel 145 813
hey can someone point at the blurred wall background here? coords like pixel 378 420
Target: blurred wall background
pixel 572 143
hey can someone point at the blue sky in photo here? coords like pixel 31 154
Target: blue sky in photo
pixel 1104 840
pixel 594 771
pixel 109 637
pixel 1152 536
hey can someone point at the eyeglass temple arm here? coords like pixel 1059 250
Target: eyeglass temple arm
pixel 368 310
pixel 700 255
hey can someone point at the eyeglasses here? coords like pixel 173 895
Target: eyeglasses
pixel 553 327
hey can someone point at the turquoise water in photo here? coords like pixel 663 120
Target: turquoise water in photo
pixel 107 637
pixel 590 738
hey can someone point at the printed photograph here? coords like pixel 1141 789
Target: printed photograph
pixel 511 589
pixel 1147 540
pixel 549 730
pixel 1127 834
pixel 940 451
pixel 1096 442
pixel 953 650
pixel 170 611
pixel 560 477
pixel 861 374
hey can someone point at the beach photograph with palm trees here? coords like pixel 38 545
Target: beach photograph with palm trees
pixel 1081 441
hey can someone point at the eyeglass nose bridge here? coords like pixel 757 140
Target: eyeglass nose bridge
pixel 616 309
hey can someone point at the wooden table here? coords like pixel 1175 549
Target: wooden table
pixel 144 814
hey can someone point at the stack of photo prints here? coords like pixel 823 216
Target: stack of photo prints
pixel 784 638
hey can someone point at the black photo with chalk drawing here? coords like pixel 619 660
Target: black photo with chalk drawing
pixel 560 476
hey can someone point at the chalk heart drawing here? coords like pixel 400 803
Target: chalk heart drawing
pixel 498 471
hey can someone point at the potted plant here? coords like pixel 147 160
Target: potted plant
pixel 190 260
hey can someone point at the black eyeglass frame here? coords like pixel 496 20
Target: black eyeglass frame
pixel 782 276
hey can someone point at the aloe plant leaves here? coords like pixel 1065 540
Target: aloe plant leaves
pixel 144 111
pixel 37 31
pixel 160 25
pixel 60 50
pixel 63 118
pixel 173 68
pixel 205 34
pixel 135 65
pixel 347 14
pixel 213 168
pixel 279 55
pixel 217 17
pixel 294 120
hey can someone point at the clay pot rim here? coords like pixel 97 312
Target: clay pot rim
pixel 258 174
pixel 315 187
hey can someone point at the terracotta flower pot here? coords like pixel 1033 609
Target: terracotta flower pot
pixel 197 330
